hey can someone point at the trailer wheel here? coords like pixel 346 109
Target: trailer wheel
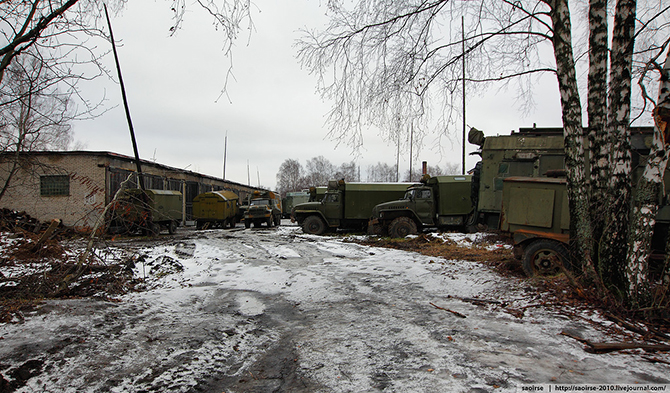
pixel 402 226
pixel 545 258
pixel 172 227
pixel 155 230
pixel 314 225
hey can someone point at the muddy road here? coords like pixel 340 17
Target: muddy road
pixel 273 310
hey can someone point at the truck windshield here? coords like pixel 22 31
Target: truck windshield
pixel 409 194
pixel 331 198
pixel 259 202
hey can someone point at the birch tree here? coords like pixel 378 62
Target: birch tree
pixel 384 61
pixel 290 177
pixel 34 115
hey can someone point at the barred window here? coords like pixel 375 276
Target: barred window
pixel 55 185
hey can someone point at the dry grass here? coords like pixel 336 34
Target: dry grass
pixel 487 250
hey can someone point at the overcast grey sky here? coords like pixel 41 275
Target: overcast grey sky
pixel 273 113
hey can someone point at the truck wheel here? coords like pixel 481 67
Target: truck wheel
pixel 247 224
pixel 269 221
pixel 402 226
pixel 545 258
pixel 314 225
pixel 172 227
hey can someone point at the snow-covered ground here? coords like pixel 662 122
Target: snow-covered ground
pixel 274 310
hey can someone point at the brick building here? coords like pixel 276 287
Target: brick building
pixel 75 186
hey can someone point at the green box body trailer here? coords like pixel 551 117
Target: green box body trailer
pixel 536 214
pixel 345 205
pixel 264 208
pixel 438 202
pixel 145 211
pixel 216 209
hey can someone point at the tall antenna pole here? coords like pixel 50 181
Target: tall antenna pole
pixel 397 161
pixel 225 150
pixel 463 50
pixel 411 140
pixel 248 175
pixel 140 180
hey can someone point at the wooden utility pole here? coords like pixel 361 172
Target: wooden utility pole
pixel 463 50
pixel 140 180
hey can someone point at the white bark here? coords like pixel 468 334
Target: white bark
pixel 646 201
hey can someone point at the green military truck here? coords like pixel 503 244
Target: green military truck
pixel 291 199
pixel 145 211
pixel 345 206
pixel 264 207
pixel 438 202
pixel 216 209
pixel 529 152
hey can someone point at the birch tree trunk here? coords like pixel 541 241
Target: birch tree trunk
pixel 599 146
pixel 645 203
pixel 573 132
pixel 614 243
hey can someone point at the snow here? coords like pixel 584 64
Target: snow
pixel 226 308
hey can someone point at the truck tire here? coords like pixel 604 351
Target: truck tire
pixel 172 227
pixel 269 221
pixel 314 225
pixel 402 226
pixel 247 224
pixel 545 257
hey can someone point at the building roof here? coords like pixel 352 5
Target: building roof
pixel 127 158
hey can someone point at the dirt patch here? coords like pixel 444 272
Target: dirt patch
pixel 31 271
pixel 489 249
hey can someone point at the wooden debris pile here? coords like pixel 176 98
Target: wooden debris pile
pixel 34 266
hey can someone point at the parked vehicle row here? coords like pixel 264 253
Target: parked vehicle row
pixel 516 187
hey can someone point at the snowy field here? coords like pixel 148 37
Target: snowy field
pixel 274 310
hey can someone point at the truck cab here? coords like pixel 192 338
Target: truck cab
pixel 264 207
